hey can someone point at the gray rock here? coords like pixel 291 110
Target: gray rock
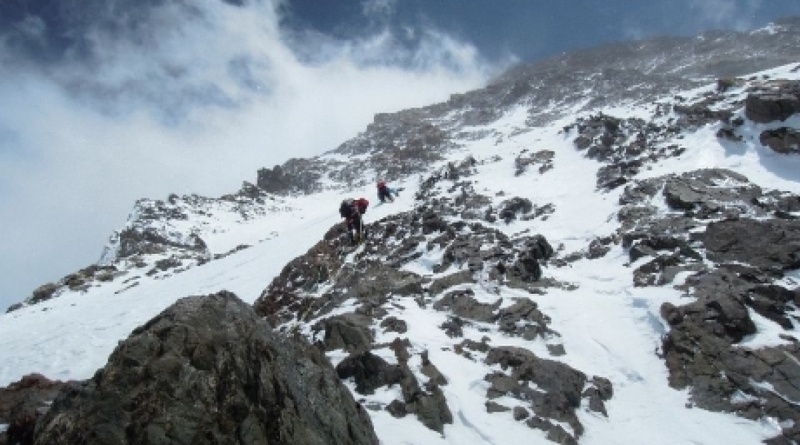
pixel 558 394
pixel 431 408
pixel 766 244
pixel 512 208
pixel 207 370
pixel 494 407
pixel 524 319
pixel 775 105
pixel 463 305
pixel 556 350
pixel 43 293
pixel 782 140
pixel 701 352
pixel 296 175
pixel 448 281
pixel 397 409
pixel 543 157
pixel 350 332
pixel 23 403
pixel 394 324
pixel 430 371
pixel 699 191
pixel 520 413
pixel 369 372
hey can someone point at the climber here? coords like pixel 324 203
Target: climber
pixel 352 210
pixel 385 192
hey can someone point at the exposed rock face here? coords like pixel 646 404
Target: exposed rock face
pixel 543 158
pixel 22 403
pixel 162 238
pixel 736 240
pixel 623 145
pixel 777 102
pixel 718 227
pixel 559 390
pixel 694 200
pixel 472 251
pixel 295 176
pixel 208 371
pixel 406 142
pixel 374 280
pixel 627 145
pixel 768 245
pixel 782 140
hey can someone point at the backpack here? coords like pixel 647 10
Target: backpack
pixel 346 208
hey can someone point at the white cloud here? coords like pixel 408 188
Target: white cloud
pixel 193 98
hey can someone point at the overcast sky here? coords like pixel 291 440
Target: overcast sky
pixel 108 101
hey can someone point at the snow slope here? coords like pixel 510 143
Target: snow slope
pixel 608 327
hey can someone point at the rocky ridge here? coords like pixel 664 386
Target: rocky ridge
pixel 403 143
pixel 165 237
pixel 470 261
pixel 727 243
pixel 240 383
pixel 724 241
pixel 732 241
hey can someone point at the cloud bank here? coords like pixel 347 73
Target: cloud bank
pixel 105 102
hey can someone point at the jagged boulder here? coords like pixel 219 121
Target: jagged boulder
pixel 554 390
pixel 782 140
pixel 369 372
pixel 208 370
pixel 697 114
pixel 775 104
pixel 736 240
pixel 710 192
pixel 677 238
pixel 463 304
pixel 525 160
pixel 350 332
pixel 514 207
pixel 22 404
pixel 766 244
pixel 295 176
pixel 134 241
pixel 526 267
pixel 43 293
pixel 426 401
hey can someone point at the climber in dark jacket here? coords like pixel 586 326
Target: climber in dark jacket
pixel 385 192
pixel 352 210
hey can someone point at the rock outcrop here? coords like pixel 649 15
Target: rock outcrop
pixel 776 101
pixel 22 403
pixel 734 240
pixel 207 370
pixel 378 277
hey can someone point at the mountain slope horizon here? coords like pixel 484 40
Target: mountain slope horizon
pixel 576 215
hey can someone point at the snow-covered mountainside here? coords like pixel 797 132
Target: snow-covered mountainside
pixel 600 248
